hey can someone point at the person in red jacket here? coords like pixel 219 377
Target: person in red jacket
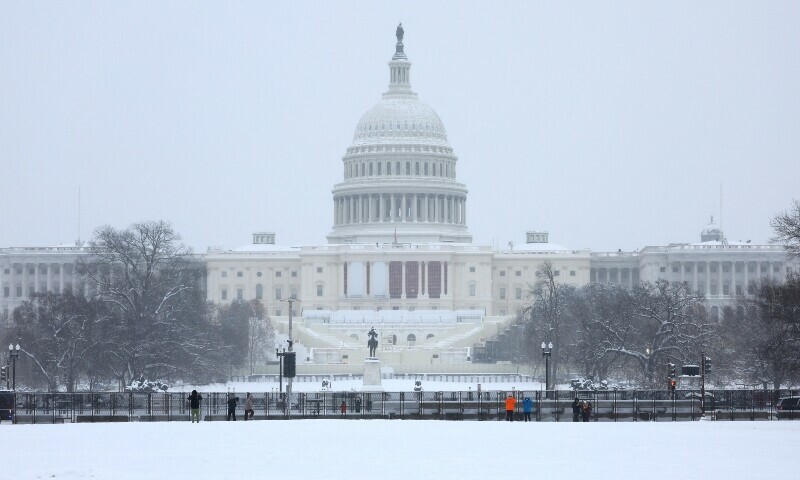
pixel 510 403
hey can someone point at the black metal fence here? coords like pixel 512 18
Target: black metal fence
pixel 550 406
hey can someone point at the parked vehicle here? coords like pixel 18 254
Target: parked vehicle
pixel 788 407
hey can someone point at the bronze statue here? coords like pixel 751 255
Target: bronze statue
pixel 399 33
pixel 373 341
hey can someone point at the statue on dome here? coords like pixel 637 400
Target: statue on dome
pixel 399 33
pixel 373 342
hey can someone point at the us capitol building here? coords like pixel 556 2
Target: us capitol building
pixel 399 257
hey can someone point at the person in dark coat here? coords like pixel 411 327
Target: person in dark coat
pixel 343 408
pixel 232 402
pixel 586 411
pixel 576 409
pixel 194 405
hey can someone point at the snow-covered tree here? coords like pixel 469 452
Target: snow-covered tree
pixel 61 335
pixel 786 226
pixel 152 286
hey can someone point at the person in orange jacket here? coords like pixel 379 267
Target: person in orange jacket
pixel 510 403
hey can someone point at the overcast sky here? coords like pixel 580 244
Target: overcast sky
pixel 609 124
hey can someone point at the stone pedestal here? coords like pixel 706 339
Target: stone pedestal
pixel 372 375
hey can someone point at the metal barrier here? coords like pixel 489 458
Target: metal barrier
pixel 548 406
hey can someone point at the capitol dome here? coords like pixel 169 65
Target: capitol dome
pixel 399 172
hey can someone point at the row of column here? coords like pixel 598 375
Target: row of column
pixel 731 275
pixel 400 207
pixel 13 280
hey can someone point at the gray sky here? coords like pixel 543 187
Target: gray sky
pixel 610 124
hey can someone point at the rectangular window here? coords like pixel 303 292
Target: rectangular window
pixel 6 292
pixel 663 269
pixel 319 290
pixel 395 279
pixel 738 289
pixel 19 290
pixel 674 269
pixel 502 273
pixel 557 273
pixel 502 311
pixel 434 279
pixel 224 294
pixel 56 269
pixel 502 293
pixel 319 269
pixel 294 293
pixel 726 289
pixel 471 269
pixel 776 269
pixel 278 274
pixel 224 274
pixel 294 273
pixel 572 273
pixel 240 274
pixel 471 289
pixel 7 271
pixel 518 293
pixel 412 279
pixel 277 293
pixel 518 273
pixel 278 312
pixel 239 294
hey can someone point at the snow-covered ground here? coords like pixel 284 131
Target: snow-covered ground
pixel 394 385
pixel 401 449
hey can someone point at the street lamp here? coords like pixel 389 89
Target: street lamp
pixel 13 352
pixel 291 301
pixel 547 349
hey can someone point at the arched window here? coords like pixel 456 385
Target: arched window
pixel 393 339
pixel 411 338
pixel 259 292
pixel 388 168
pixel 429 336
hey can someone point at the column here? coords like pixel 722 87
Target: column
pixel 61 278
pixel 719 275
pixel 630 279
pixel 13 280
pixel 414 206
pixel 392 211
pixel 746 282
pixel 681 266
pixel 426 215
pixel 445 210
pixel 464 210
pixel 419 279
pixel 694 282
pixel 36 277
pixel 50 277
pixel 380 207
pixel 733 279
pixel 708 278
pixel 403 205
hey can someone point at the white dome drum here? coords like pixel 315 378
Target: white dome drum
pixel 399 173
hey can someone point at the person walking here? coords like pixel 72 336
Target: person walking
pixel 576 409
pixel 586 411
pixel 527 408
pixel 343 408
pixel 232 402
pixel 511 402
pixel 248 406
pixel 194 406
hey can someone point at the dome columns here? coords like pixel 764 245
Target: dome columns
pixel 379 208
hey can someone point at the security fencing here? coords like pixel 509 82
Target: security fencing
pixel 547 406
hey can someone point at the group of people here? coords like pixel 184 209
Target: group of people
pixel 511 403
pixel 581 410
pixel 194 406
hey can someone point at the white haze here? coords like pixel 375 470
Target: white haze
pixel 610 124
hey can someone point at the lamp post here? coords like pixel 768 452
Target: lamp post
pixel 291 301
pixel 547 349
pixel 13 352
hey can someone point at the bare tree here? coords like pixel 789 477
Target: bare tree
pixel 151 284
pixel 61 335
pixel 786 226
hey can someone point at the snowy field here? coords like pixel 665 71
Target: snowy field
pixel 395 449
pixel 394 385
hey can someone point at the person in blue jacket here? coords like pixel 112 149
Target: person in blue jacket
pixel 527 408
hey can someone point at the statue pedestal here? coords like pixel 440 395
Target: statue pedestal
pixel 372 375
